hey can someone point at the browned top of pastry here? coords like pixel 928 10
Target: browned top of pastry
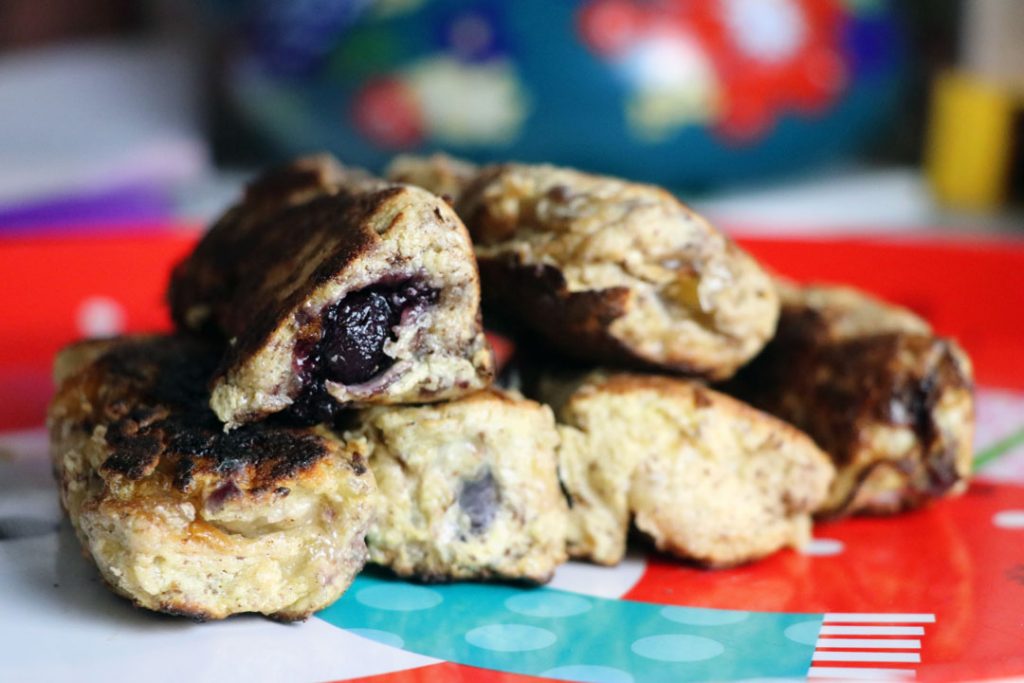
pixel 845 365
pixel 272 275
pixel 149 395
pixel 253 261
pixel 297 228
pixel 891 378
pixel 200 283
pixel 823 314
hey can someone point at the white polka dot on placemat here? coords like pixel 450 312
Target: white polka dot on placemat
pixel 99 316
pixel 823 547
pixel 399 597
pixel 548 604
pixel 676 647
pixel 383 637
pixel 585 673
pixel 1009 519
pixel 511 638
pixel 805 633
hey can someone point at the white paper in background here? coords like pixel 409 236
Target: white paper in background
pixel 838 200
pixel 844 200
pixel 93 116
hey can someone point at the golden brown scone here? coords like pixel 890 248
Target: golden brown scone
pixel 181 517
pixel 468 489
pixel 443 175
pixel 869 382
pixel 607 270
pixel 335 289
pixel 706 477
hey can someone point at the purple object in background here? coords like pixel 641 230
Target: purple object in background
pixel 132 204
pixel 98 135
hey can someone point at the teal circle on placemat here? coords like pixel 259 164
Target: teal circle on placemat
pixel 806 632
pixel 675 647
pixel 511 638
pixel 548 604
pixel 399 597
pixel 556 633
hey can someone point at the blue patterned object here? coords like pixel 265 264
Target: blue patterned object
pixel 292 38
pixel 557 634
pixel 680 92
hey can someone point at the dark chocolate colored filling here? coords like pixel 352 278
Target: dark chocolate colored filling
pixel 350 349
pixel 479 500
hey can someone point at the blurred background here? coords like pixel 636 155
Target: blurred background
pixel 773 116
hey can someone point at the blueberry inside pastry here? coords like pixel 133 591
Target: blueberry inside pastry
pixel 334 289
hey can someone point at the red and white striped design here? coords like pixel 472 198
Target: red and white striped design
pixel 864 646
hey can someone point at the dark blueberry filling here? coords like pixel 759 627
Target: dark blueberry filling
pixel 350 348
pixel 479 500
pixel 221 495
pixel 313 406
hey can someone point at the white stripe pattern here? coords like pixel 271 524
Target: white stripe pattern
pixel 858 618
pixel 905 657
pixel 880 643
pixel 858 658
pixel 860 673
pixel 829 630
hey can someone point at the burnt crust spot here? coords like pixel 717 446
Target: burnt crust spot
pixel 279 184
pixel 244 273
pixel 835 390
pixel 170 428
pixel 802 325
pixel 576 323
pixel 573 322
pixel 175 610
pixel 214 270
pixel 267 265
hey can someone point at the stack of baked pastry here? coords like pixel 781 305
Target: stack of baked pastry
pixel 326 398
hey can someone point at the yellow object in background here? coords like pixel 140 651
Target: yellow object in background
pixel 969 141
